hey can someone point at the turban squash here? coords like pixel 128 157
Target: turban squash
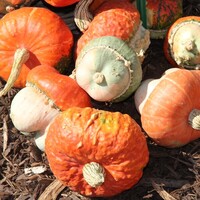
pixel 47 93
pixel 170 107
pixel 182 44
pixel 96 152
pixel 31 36
pixel 108 69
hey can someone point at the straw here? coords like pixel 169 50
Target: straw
pixel 141 6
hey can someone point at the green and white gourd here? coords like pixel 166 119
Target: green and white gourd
pixel 184 42
pixel 108 69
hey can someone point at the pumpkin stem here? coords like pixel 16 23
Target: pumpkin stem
pixel 98 77
pixel 94 174
pixel 194 119
pixel 20 57
pixel 82 16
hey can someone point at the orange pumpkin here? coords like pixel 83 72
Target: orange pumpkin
pixel 31 36
pixel 10 5
pixel 61 3
pixel 96 152
pixel 170 107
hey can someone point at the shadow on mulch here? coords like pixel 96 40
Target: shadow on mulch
pixel 171 174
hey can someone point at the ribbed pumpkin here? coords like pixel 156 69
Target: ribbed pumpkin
pixel 112 18
pixel 10 5
pixel 108 69
pixel 161 15
pixel 31 36
pixel 47 93
pixel 96 152
pixel 170 107
pixel 61 3
pixel 182 44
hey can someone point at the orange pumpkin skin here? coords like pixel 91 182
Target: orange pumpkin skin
pixel 61 3
pixel 79 136
pixel 27 27
pixel 165 114
pixel 113 18
pixel 62 90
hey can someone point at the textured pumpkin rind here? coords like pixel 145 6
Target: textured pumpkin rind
pixel 123 50
pixel 115 141
pixel 165 114
pixel 27 27
pixel 61 89
pixel 167 48
pixel 113 18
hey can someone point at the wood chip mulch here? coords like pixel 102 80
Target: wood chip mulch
pixel 171 174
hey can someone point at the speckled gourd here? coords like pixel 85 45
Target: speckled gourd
pixel 160 15
pixel 108 69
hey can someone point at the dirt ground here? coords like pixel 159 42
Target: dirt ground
pixel 171 174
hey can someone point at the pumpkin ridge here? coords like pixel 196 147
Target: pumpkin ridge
pixel 180 88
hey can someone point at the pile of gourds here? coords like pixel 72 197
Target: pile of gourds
pixel 93 151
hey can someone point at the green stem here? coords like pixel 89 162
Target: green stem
pixel 20 57
pixel 141 6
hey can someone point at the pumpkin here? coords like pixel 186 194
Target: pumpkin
pixel 112 18
pixel 96 152
pixel 170 107
pixel 10 5
pixel 31 36
pixel 47 93
pixel 61 3
pixel 108 69
pixel 160 15
pixel 182 44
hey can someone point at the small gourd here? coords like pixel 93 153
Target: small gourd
pixel 108 69
pixel 46 94
pixel 97 18
pixel 31 36
pixel 96 152
pixel 170 107
pixel 182 43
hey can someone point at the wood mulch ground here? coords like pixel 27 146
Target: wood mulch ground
pixel 171 174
